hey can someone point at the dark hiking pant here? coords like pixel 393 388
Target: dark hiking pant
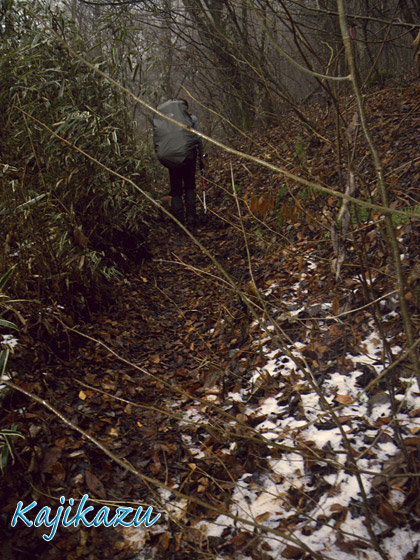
pixel 182 181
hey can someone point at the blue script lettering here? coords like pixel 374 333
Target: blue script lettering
pixel 122 513
pixel 43 517
pixel 66 521
pixel 80 514
pixel 20 514
pixel 54 524
pixel 146 517
pixel 101 518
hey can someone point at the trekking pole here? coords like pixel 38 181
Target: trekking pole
pixel 203 182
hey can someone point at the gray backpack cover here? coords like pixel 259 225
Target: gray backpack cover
pixel 173 144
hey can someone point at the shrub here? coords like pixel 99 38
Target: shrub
pixel 70 225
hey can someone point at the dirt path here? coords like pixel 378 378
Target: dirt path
pixel 179 325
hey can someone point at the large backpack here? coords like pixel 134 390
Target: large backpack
pixel 173 144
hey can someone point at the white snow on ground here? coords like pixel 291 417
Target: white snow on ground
pixel 332 522
pixel 9 340
pixel 268 498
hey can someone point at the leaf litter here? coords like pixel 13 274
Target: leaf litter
pixel 227 412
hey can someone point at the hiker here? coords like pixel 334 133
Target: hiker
pixel 177 149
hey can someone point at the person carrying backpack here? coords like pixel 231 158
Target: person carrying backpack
pixel 177 149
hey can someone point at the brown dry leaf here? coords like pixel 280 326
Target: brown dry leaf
pixel 292 552
pixel 178 539
pixel 108 386
pixel 59 472
pixel 263 517
pixel 412 441
pixel 164 540
pixel 335 306
pixel 344 419
pixel 203 484
pixel 82 395
pixel 240 539
pixel 387 514
pixel 349 546
pixel 399 483
pixel 415 429
pixel 155 464
pixel 80 237
pixel 61 443
pixel 94 484
pixel 344 399
pixel 50 458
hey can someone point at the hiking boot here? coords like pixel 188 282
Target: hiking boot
pixel 177 208
pixel 190 210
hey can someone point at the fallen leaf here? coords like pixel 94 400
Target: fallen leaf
pixel 387 514
pixel 292 552
pixel 61 443
pixel 344 399
pixel 80 237
pixel 155 464
pixel 263 517
pixel 94 484
pixel 344 419
pixel 412 441
pixel 240 539
pixel 164 540
pixel 58 472
pixel 50 458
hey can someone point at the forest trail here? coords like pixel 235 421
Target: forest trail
pixel 257 392
pixel 186 332
pixel 178 379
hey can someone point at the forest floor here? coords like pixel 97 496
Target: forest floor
pixel 274 407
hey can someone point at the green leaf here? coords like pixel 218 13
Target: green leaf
pixel 4 279
pixel 4 356
pixel 114 53
pixel 4 457
pixel 30 202
pixel 8 324
pixel 36 39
